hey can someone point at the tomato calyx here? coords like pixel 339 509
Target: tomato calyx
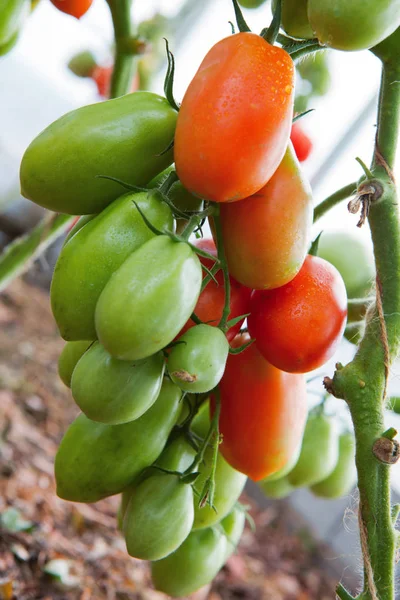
pixel 169 78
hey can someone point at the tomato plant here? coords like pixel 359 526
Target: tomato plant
pixel 237 138
pixel 263 412
pixel 70 355
pixel 265 245
pixel 298 326
pixel 343 477
pixel 294 19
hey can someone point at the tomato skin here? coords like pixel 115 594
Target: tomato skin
pixel 266 237
pixel 319 452
pixel 263 413
pixel 96 460
pixel 94 253
pixel 229 483
pixel 237 139
pixel 196 364
pixel 344 476
pixel 122 138
pixel 159 516
pixel 294 18
pixel 210 304
pixel 199 559
pixel 336 23
pixel 69 357
pixel 75 8
pixel 77 225
pixel 301 142
pixel 297 327
pixel 13 15
pixel 277 488
pixel 358 274
pixel 286 468
pixel 147 301
pixel 251 3
pixel 113 391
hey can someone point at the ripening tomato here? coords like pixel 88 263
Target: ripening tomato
pixel 234 123
pixel 101 75
pixel 211 301
pixel 301 142
pixel 298 326
pixel 75 8
pixel 263 413
pixel 266 237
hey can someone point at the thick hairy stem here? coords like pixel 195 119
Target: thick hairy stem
pixel 124 58
pixel 362 383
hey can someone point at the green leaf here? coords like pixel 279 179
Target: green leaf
pixel 12 520
pixel 17 256
pixel 241 348
pixel 241 23
pixel 236 320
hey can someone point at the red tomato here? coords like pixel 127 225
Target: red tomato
pixel 102 77
pixel 234 123
pixel 301 142
pixel 210 304
pixel 266 237
pixel 75 8
pixel 298 326
pixel 263 413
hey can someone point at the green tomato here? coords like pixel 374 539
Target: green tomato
pixel 94 253
pixel 251 3
pixel 149 299
pixel 78 225
pixel 394 404
pixel 197 362
pixel 8 46
pixel 12 16
pixel 278 488
pixel 115 391
pixel 193 564
pixel 389 48
pixel 229 483
pixel 319 452
pixel 96 460
pixel 294 18
pixel 69 357
pixel 233 526
pixel 159 516
pixel 355 25
pixel 123 138
pixel 344 476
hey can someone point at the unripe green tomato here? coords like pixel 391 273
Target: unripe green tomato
pixel 233 525
pixel 389 48
pixel 176 456
pixel 193 564
pixel 115 391
pixel 78 225
pixel 197 362
pixel 354 260
pixel 229 483
pixel 94 253
pixel 344 476
pixel 148 300
pixel 279 488
pixel 355 25
pixel 319 452
pixel 96 460
pixel 251 3
pixel 294 18
pixel 8 46
pixel 159 516
pixel 394 404
pixel 12 16
pixel 70 355
pixel 123 138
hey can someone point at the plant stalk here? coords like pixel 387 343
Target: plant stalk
pixel 124 60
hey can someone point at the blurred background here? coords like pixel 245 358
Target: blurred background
pixel 36 88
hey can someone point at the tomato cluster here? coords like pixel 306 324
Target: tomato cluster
pixel 155 355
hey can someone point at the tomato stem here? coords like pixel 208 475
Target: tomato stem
pixel 363 382
pixel 124 61
pixel 273 30
pixel 334 199
pixel 227 283
pixel 342 593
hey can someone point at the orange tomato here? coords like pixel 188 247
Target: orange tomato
pixel 234 123
pixel 302 143
pixel 75 8
pixel 266 237
pixel 263 413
